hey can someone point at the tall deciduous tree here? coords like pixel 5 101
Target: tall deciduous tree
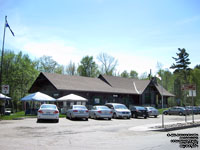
pixel 125 74
pixel 47 64
pixel 71 68
pixel 108 64
pixel 88 67
pixel 133 74
pixel 19 73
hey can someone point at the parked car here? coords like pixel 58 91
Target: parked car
pixel 139 111
pixel 100 112
pixel 198 109
pixel 192 108
pixel 8 111
pixel 176 111
pixel 152 111
pixel 77 111
pixel 119 110
pixel 48 111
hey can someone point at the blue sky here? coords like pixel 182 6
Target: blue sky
pixel 138 33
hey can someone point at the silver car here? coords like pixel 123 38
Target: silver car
pixel 48 111
pixel 119 110
pixel 100 112
pixel 152 111
pixel 77 111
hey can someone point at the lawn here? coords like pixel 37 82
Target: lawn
pixel 161 110
pixel 20 115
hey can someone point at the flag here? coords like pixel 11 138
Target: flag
pixel 158 76
pixel 7 25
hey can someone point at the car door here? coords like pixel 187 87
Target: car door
pixel 172 111
pixel 93 111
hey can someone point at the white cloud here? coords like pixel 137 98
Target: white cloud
pixel 59 51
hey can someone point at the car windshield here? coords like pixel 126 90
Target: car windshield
pixel 150 108
pixel 120 107
pixel 79 107
pixel 103 107
pixel 140 108
pixel 49 106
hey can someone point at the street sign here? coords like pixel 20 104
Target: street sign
pixel 5 89
pixel 186 87
pixel 192 93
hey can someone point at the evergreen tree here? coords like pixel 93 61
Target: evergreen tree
pixel 182 63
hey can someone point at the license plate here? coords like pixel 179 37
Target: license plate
pixel 81 111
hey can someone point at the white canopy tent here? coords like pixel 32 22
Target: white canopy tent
pixel 72 97
pixel 38 96
pixel 4 97
pixel 35 97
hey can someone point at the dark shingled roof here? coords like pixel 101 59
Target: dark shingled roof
pixel 77 83
pixel 104 84
pixel 132 86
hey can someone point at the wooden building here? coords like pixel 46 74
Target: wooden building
pixel 103 89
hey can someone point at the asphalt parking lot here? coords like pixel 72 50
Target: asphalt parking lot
pixel 93 134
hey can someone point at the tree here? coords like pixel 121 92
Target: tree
pixel 47 64
pixel 181 74
pixel 182 63
pixel 197 67
pixel 125 74
pixel 133 74
pixel 88 67
pixel 19 73
pixel 108 64
pixel 71 68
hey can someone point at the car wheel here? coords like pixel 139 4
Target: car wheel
pixel 86 119
pixel 180 113
pixel 70 116
pixel 95 117
pixel 165 113
pixel 145 117
pixel 134 116
pixel 155 116
pixel 109 118
pixel 57 120
pixel 114 116
pixel 128 117
pixel 38 120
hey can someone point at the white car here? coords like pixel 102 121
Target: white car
pixel 48 111
pixel 77 111
pixel 152 111
pixel 119 110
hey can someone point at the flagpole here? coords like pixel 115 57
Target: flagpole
pixel 2 53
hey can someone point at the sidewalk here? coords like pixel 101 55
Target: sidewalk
pixel 170 126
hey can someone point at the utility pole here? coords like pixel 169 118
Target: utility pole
pixel 2 53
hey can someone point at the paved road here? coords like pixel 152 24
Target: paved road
pixel 93 134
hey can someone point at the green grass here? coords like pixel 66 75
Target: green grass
pixel 21 114
pixel 161 110
pixel 16 115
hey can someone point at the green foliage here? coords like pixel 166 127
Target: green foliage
pixel 47 64
pixel 182 63
pixel 125 74
pixel 88 67
pixel 133 74
pixel 19 73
